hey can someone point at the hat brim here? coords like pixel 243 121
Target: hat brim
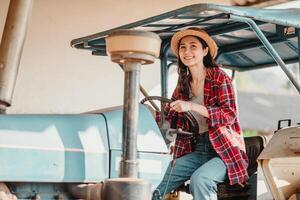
pixel 213 48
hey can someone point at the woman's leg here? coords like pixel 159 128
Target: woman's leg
pixel 182 170
pixel 204 180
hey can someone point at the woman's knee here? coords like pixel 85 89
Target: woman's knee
pixel 202 181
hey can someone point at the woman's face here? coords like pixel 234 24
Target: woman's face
pixel 191 52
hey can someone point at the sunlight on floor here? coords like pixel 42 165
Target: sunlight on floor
pixel 185 196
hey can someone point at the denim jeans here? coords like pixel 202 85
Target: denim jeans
pixel 203 167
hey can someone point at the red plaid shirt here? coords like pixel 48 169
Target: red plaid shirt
pixel 224 129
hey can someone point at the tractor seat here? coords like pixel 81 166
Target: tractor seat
pixel 254 146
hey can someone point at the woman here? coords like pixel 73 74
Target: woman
pixel 206 91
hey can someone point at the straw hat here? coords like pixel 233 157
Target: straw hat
pixel 213 48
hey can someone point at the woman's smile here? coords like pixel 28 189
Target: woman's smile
pixel 188 57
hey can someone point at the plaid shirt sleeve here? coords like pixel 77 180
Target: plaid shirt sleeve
pixel 224 129
pixel 222 108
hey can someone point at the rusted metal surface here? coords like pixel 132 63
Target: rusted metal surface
pixel 86 191
pixel 126 188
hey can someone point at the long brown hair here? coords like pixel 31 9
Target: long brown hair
pixel 184 74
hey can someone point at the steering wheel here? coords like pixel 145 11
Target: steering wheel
pixel 188 115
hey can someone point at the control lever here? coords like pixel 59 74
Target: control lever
pixel 172 131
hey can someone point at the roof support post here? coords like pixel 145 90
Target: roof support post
pixel 268 46
pixel 164 69
pixel 298 33
pixel 164 76
pixel 233 74
pixel 11 48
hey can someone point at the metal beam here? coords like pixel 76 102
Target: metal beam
pixel 164 69
pixel 128 167
pixel 269 47
pixel 198 20
pixel 250 44
pixel 164 76
pixel 11 48
pixel 298 33
pixel 233 74
pixel 258 66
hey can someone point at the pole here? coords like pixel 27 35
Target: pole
pixel 11 48
pixel 128 164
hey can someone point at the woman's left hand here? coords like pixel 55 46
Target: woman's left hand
pixel 181 106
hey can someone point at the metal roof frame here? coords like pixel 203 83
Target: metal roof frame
pixel 240 32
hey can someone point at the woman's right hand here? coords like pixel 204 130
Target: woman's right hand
pixel 181 106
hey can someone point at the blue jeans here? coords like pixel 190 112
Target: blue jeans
pixel 203 167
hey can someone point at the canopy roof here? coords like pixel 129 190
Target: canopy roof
pixel 239 47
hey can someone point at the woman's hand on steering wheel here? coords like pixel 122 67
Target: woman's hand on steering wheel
pixel 181 106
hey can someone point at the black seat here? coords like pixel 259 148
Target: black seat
pixel 254 146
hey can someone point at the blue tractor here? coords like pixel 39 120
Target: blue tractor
pixel 73 156
pixel 56 156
